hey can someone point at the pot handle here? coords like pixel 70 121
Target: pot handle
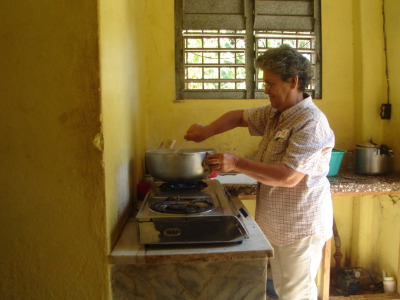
pixel 207 171
pixel 385 150
pixel 206 168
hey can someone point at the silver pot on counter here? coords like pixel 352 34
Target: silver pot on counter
pixel 373 159
pixel 177 166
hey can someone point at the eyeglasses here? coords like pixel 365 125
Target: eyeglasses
pixel 268 85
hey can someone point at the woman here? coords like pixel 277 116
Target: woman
pixel 294 205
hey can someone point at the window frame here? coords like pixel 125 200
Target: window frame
pixel 249 19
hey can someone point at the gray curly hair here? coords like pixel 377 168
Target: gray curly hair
pixel 286 62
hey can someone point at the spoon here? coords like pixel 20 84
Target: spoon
pixel 180 146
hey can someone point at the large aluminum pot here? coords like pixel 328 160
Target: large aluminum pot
pixel 373 159
pixel 177 166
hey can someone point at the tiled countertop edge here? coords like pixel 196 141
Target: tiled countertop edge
pixel 345 183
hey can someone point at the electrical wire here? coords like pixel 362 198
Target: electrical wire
pixel 378 286
pixel 372 280
pixel 385 49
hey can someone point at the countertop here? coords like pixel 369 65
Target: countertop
pixel 344 184
pixel 129 251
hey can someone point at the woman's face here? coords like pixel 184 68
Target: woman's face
pixel 280 92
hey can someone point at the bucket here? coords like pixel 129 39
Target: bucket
pixel 335 162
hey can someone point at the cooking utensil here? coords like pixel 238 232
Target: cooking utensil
pixel 172 145
pixel 184 165
pixel 373 159
pixel 180 146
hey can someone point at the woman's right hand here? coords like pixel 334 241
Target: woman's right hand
pixel 197 133
pixel 223 162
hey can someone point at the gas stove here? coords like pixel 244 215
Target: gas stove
pixel 190 213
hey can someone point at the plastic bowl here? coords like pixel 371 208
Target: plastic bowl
pixel 335 162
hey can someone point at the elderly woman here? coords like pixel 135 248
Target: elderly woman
pixel 294 205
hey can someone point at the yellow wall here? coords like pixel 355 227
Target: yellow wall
pixel 391 127
pixel 353 79
pixel 123 108
pixel 354 87
pixel 169 120
pixel 87 86
pixel 389 233
pixel 369 226
pixel 52 194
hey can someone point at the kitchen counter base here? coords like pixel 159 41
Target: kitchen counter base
pixel 218 272
pixel 217 280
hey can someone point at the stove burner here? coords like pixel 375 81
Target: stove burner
pixel 198 186
pixel 177 205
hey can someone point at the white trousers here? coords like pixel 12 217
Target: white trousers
pixel 294 269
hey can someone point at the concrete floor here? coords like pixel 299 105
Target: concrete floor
pixel 364 297
pixel 367 296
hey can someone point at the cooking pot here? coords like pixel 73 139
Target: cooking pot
pixel 373 159
pixel 177 166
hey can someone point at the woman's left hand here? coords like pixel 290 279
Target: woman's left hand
pixel 223 162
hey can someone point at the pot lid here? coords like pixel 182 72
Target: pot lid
pixel 369 144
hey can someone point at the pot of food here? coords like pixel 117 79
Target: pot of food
pixel 373 159
pixel 177 166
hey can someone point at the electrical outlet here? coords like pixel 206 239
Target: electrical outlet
pixel 386 111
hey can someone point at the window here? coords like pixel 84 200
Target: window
pixel 304 42
pixel 214 59
pixel 218 40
